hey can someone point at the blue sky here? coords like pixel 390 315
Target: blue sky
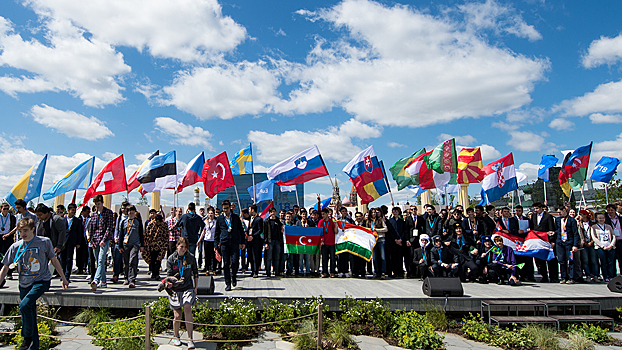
pixel 105 77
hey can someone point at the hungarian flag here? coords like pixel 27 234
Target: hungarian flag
pixel 426 177
pixel 470 166
pixel 399 173
pixel 111 179
pixel 217 175
pixel 574 169
pixel 303 240
pixel 133 183
pixel 356 240
pixel 443 158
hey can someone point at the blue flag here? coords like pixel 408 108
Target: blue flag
pixel 546 163
pixel 79 177
pixel 263 190
pixel 324 203
pixel 604 169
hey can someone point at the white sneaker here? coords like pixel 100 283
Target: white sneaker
pixel 340 275
pixel 348 275
pixel 102 285
pixel 190 344
pixel 176 342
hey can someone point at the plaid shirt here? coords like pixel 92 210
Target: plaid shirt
pixel 173 233
pixel 103 229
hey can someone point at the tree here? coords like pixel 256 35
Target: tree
pixel 142 201
pixel 614 189
pixel 554 194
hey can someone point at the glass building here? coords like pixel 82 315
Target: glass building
pixel 282 200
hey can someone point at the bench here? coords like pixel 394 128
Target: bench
pixel 508 320
pixel 583 319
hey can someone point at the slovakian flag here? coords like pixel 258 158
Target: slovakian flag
pixel 266 211
pixel 426 177
pixel 535 245
pixel 299 168
pixel 356 240
pixel 367 175
pixel 303 240
pixel 192 173
pixel 604 169
pixel 111 179
pixel 132 183
pixel 217 175
pixel 499 179
pixel 574 169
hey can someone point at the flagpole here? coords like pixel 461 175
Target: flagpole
pixel 238 197
pixel 254 189
pixel 544 187
pixel 386 182
pixel 298 200
pixel 512 202
pixel 607 193
pixel 583 198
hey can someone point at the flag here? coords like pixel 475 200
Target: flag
pixel 303 240
pixel 291 188
pixel 399 173
pixel 323 204
pixel 242 161
pixel 266 211
pixel 356 240
pixel 111 179
pixel 575 166
pixel 299 168
pixel 417 190
pixel 443 158
pixel 546 163
pixel 216 175
pixel 159 174
pixel 535 245
pixel 263 190
pixel 427 178
pixel 470 166
pixel 79 177
pixel 366 175
pixel 29 185
pixel 499 179
pixel 604 169
pixel 446 190
pixel 132 183
pixel 192 173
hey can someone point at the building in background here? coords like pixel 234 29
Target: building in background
pixel 282 200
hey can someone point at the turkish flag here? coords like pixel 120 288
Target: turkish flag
pixel 217 175
pixel 110 180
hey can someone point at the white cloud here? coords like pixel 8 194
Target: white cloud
pixel 223 91
pixel 108 156
pixel 188 30
pixel 142 156
pixel 398 66
pixel 463 140
pixel 70 123
pixel 603 51
pixel 393 144
pixel 606 98
pixel 492 15
pixel 529 169
pixel 85 68
pixel 335 143
pixel 528 141
pixel 489 152
pixel 561 124
pixel 599 118
pixel 611 148
pixel 184 134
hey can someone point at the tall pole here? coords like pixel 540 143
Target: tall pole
pixel 544 187
pixel 583 198
pixel 607 193
pixel 238 197
pixel 513 202
pixel 297 200
pixel 255 190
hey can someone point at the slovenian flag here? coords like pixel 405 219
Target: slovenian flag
pixel 499 179
pixel 356 240
pixel 299 168
pixel 192 173
pixel 535 245
pixel 367 175
pixel 303 240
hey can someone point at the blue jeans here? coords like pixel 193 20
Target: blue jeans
pixel 100 254
pixel 273 257
pixel 304 263
pixel 117 258
pixel 590 261
pixel 607 260
pixel 28 309
pixel 380 261
pixel 192 248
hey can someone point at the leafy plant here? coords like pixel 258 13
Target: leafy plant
pixel 337 334
pixel 590 331
pixel 415 332
pixel 202 313
pixel 305 341
pixel 276 311
pixel 102 334
pixel 44 342
pixel 235 311
pixel 435 314
pixel 359 314
pixel 543 337
pixel 90 315
pixel 474 328
pixel 160 308
pixel 578 341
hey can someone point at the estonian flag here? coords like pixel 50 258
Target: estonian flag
pixel 160 173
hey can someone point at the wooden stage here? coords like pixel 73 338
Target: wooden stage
pixel 400 293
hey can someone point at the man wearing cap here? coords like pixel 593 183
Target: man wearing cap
pixel 464 248
pixel 444 261
pixel 503 264
pixel 484 258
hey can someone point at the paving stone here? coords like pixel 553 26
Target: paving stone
pixel 370 340
pixel 284 345
pixel 455 342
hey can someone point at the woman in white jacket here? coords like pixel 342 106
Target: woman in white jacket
pixel 604 244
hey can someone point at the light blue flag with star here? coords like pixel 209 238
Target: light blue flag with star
pixel 79 177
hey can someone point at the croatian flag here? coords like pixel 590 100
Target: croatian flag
pixel 299 168
pixel 535 245
pixel 192 173
pixel 499 179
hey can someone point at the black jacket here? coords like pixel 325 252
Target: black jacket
pixel 547 223
pixel 418 254
pixel 57 227
pixel 223 236
pixel 75 233
pixel 572 233
pixel 447 256
pixel 433 226
pixel 468 230
pixel 512 223
pixel 256 226
pixel 490 225
pixel 397 229
pixel 268 235
pixel 191 225
pixel 461 246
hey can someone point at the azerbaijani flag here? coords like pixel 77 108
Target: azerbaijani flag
pixel 303 240
pixel 574 169
pixel 367 175
pixel 356 240
pixel 535 245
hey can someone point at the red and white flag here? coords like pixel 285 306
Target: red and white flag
pixel 217 175
pixel 427 178
pixel 111 179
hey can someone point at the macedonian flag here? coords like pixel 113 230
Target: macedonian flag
pixel 470 166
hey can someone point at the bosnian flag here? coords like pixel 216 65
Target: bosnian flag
pixel 357 240
pixel 499 179
pixel 192 173
pixel 299 168
pixel 535 245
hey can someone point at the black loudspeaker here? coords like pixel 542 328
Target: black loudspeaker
pixel 206 285
pixel 615 285
pixel 442 287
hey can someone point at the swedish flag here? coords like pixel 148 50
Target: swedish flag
pixel 242 162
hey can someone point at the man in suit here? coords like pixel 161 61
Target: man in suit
pixel 255 241
pixel 473 226
pixel 413 227
pixel 74 239
pixel 507 223
pixel 615 221
pixel 433 225
pixel 396 242
pixel 543 222
pixel 567 245
pixel 526 273
pixel 229 239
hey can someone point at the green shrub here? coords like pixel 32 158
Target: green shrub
pixel 235 311
pixel 44 342
pixel 474 328
pixel 415 332
pixel 590 331
pixel 160 308
pixel 276 311
pixel 543 337
pixel 202 313
pixel 435 314
pixel 337 334
pixel 103 332
pixel 578 341
pixel 359 314
pixel 90 315
pixel 306 341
